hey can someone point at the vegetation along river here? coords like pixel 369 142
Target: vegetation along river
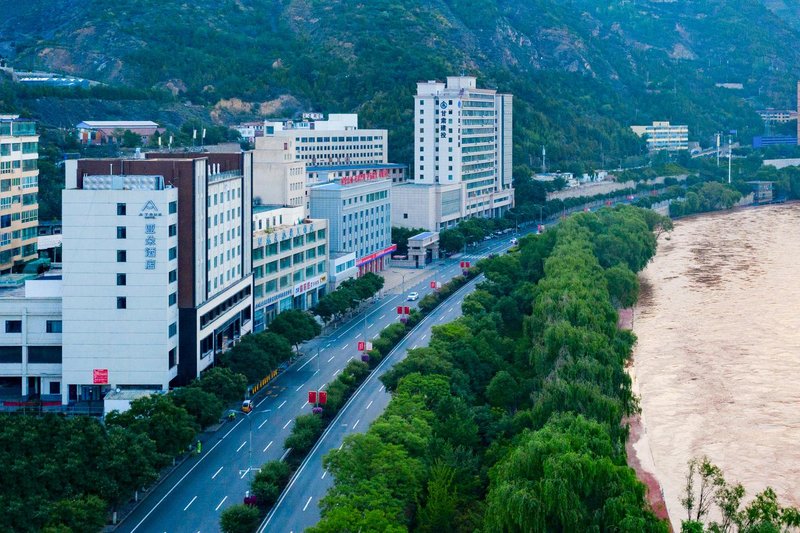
pixel 717 363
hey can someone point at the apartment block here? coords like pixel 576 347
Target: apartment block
pixel 279 178
pixel 664 136
pixel 19 187
pixel 290 261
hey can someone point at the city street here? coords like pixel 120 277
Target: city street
pixel 192 496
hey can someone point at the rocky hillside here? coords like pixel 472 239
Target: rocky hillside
pixel 582 70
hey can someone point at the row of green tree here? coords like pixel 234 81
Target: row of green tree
pixel 510 420
pixel 65 474
pixel 348 296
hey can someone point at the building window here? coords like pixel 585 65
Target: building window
pixel 122 256
pixel 122 279
pixel 122 302
pixel 173 276
pixel 173 252
pixel 173 329
pixel 13 326
pixel 171 357
pixel 55 387
pixel 121 209
pixel 173 207
pixel 173 230
pixel 173 298
pixel 53 326
pixel 121 232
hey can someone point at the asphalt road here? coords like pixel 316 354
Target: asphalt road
pixel 193 496
pixel 298 506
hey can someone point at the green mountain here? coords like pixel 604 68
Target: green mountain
pixel 581 70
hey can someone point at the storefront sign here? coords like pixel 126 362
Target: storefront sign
pixel 100 376
pixel 376 255
pixel 365 176
pixel 308 285
pixel 273 298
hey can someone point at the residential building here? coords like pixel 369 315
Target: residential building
pixel 30 343
pixel 336 141
pixel 279 178
pixel 19 188
pixel 112 131
pixel 214 272
pixel 341 267
pixel 120 287
pixel 358 210
pixel 780 116
pixel 290 261
pixel 462 155
pixel 664 136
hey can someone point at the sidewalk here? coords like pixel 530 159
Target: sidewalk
pixel 397 279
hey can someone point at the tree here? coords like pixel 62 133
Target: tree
pixel 131 139
pixel 400 238
pixel 223 383
pixel 86 513
pixel 206 408
pixel 306 431
pixel 269 482
pixel 130 461
pixel 257 355
pixel 451 241
pixel 169 426
pixel 296 326
pixel 240 518
pixel 440 510
pixel 503 390
pixel 623 285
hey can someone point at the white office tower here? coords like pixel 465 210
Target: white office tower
pixel 462 156
pixel 120 286
pixel 278 177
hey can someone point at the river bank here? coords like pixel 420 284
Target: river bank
pixel 718 358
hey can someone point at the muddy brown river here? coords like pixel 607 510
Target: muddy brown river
pixel 717 364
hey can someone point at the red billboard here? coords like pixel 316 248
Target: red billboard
pixel 100 376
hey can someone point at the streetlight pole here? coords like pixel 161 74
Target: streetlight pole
pixel 730 150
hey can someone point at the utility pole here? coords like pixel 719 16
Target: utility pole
pixel 717 135
pixel 730 150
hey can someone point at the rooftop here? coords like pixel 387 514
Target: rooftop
pixel 323 168
pixel 422 236
pixel 268 207
pixel 118 124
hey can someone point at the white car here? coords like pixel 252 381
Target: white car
pixel 412 296
pixel 514 241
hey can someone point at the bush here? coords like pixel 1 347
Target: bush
pixel 269 482
pixel 307 429
pixel 240 519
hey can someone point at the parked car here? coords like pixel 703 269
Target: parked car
pixel 412 296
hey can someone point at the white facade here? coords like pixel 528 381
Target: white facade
pixel 336 141
pixel 290 261
pixel 225 258
pixel 120 309
pixel 664 136
pixel 30 338
pixel 462 136
pixel 278 176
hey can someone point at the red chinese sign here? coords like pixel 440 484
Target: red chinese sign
pixel 365 176
pixel 100 376
pixel 312 396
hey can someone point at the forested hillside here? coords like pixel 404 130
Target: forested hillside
pixel 581 70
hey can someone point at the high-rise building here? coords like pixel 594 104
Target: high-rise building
pixel 462 156
pixel 214 252
pixel 19 187
pixel 120 286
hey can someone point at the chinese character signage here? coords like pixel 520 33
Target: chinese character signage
pixel 100 376
pixel 365 176
pixel 149 243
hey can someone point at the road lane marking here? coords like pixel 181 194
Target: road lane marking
pixel 241 446
pixel 190 503
pixel 268 445
pixel 300 387
pixel 262 423
pixel 304 364
pixel 306 505
pixel 325 473
pixel 334 374
pixel 382 316
pixel 414 347
pixel 331 359
pixel 381 389
pixel 285 454
pixel 451 309
pixel 284 403
pixel 369 404
pixel 442 318
pixel 423 337
pixel 202 458
pixel 217 472
pixel 323 386
pixel 220 503
pixel 376 335
pixel 245 473
pixel 345 346
pixel 340 446
pixel 357 421
pixel 328 345
pixel 304 405
pixel 351 357
pixel 286 424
